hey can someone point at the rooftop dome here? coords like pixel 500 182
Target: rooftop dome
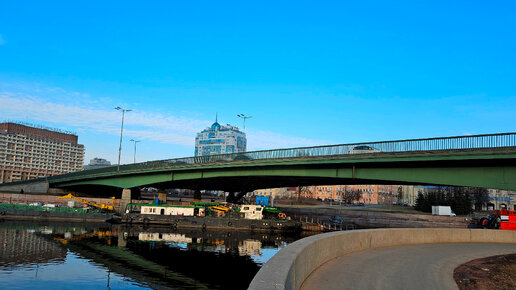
pixel 215 126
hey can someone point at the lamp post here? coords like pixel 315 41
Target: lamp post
pixel 135 141
pixel 121 131
pixel 244 117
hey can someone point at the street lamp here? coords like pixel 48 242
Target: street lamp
pixel 121 131
pixel 135 141
pixel 244 117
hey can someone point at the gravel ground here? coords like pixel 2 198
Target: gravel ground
pixel 497 272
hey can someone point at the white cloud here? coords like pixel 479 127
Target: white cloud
pixel 171 130
pixel 84 114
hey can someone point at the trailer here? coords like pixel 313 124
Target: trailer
pixel 442 210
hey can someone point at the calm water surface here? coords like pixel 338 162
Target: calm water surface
pixel 103 256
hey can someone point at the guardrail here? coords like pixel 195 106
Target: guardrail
pixel 501 140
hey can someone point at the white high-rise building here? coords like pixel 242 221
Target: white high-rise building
pixel 97 163
pixel 219 139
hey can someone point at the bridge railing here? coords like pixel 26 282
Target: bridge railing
pixel 411 145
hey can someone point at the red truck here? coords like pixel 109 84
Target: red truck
pixel 508 219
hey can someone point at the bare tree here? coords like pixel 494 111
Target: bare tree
pixel 480 196
pixel 357 195
pixel 303 190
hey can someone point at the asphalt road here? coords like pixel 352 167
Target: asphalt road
pixel 426 266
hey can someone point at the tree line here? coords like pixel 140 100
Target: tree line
pixel 460 199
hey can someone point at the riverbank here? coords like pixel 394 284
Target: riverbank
pixel 372 219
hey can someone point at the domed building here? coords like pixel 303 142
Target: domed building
pixel 219 139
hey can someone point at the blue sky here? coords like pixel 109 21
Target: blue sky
pixel 309 73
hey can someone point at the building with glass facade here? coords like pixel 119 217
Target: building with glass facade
pixel 219 139
pixel 97 163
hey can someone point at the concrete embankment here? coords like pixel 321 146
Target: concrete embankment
pixel 21 198
pixel 16 207
pixel 371 219
pixel 14 214
pixel 289 268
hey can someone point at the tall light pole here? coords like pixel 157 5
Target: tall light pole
pixel 121 131
pixel 244 117
pixel 135 141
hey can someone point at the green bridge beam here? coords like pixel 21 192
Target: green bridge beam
pixel 490 169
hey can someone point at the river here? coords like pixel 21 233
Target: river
pixel 42 255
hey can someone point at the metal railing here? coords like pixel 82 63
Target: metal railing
pixel 501 140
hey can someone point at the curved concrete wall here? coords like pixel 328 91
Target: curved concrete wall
pixel 289 268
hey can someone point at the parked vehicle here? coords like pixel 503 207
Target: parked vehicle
pixel 491 221
pixel 362 149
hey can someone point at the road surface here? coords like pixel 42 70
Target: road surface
pixel 426 266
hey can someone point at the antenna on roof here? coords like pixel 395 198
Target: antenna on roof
pixel 217 117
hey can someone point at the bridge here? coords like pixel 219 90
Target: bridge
pixel 481 160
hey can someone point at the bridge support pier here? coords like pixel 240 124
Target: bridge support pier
pixel 197 195
pixel 230 197
pixel 122 243
pixel 125 200
pixel 234 197
pixel 127 197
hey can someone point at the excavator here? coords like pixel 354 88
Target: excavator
pixel 91 203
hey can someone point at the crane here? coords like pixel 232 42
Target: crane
pixel 88 202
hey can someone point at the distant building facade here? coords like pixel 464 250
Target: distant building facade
pixel 97 163
pixel 219 139
pixel 409 193
pixel 282 192
pixel 501 199
pixel 28 152
pixel 368 193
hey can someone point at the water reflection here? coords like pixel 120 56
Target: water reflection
pixel 68 255
pixel 28 249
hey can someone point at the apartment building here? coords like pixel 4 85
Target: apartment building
pixel 367 193
pixel 29 151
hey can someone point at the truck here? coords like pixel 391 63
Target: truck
pixel 442 210
pixel 508 219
